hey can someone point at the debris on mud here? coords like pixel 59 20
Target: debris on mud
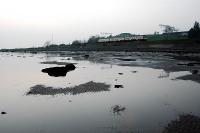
pixel 82 88
pixel 119 86
pixel 186 123
pixel 59 71
pixel 164 75
pixel 117 109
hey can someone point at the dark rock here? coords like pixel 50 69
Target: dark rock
pixel 120 73
pixel 195 71
pixel 134 71
pixel 59 71
pixel 3 113
pixel 86 56
pixel 118 86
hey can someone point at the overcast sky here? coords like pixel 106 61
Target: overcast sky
pixel 28 23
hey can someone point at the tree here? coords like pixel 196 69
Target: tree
pixel 194 33
pixel 168 28
pixel 47 43
pixel 93 39
pixel 76 42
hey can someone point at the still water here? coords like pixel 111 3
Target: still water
pixel 149 102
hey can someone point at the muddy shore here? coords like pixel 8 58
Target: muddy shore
pixel 168 62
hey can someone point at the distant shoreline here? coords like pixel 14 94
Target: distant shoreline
pixel 170 46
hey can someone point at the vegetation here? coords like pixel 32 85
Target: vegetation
pixel 194 33
pixel 93 39
pixel 161 37
pixel 168 28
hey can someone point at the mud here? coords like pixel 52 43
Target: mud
pixel 82 88
pixel 191 77
pixel 185 123
pixel 56 63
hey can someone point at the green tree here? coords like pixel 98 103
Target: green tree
pixel 194 33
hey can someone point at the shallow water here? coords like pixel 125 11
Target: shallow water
pixel 150 98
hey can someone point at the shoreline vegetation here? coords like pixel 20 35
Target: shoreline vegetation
pixel 169 41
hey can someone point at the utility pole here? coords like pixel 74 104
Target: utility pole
pixel 52 38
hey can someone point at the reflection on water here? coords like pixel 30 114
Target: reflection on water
pixel 148 101
pixel 117 109
pixel 83 88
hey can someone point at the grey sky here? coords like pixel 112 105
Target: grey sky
pixel 27 23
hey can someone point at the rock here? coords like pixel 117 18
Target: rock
pixel 134 71
pixel 120 73
pixel 118 86
pixel 59 71
pixel 86 56
pixel 3 113
pixel 195 71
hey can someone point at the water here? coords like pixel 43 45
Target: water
pixel 150 100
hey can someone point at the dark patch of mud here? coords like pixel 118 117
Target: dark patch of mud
pixel 186 123
pixel 191 77
pixel 82 88
pixel 56 63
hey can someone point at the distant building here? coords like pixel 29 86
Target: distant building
pixel 181 33
pixel 123 37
